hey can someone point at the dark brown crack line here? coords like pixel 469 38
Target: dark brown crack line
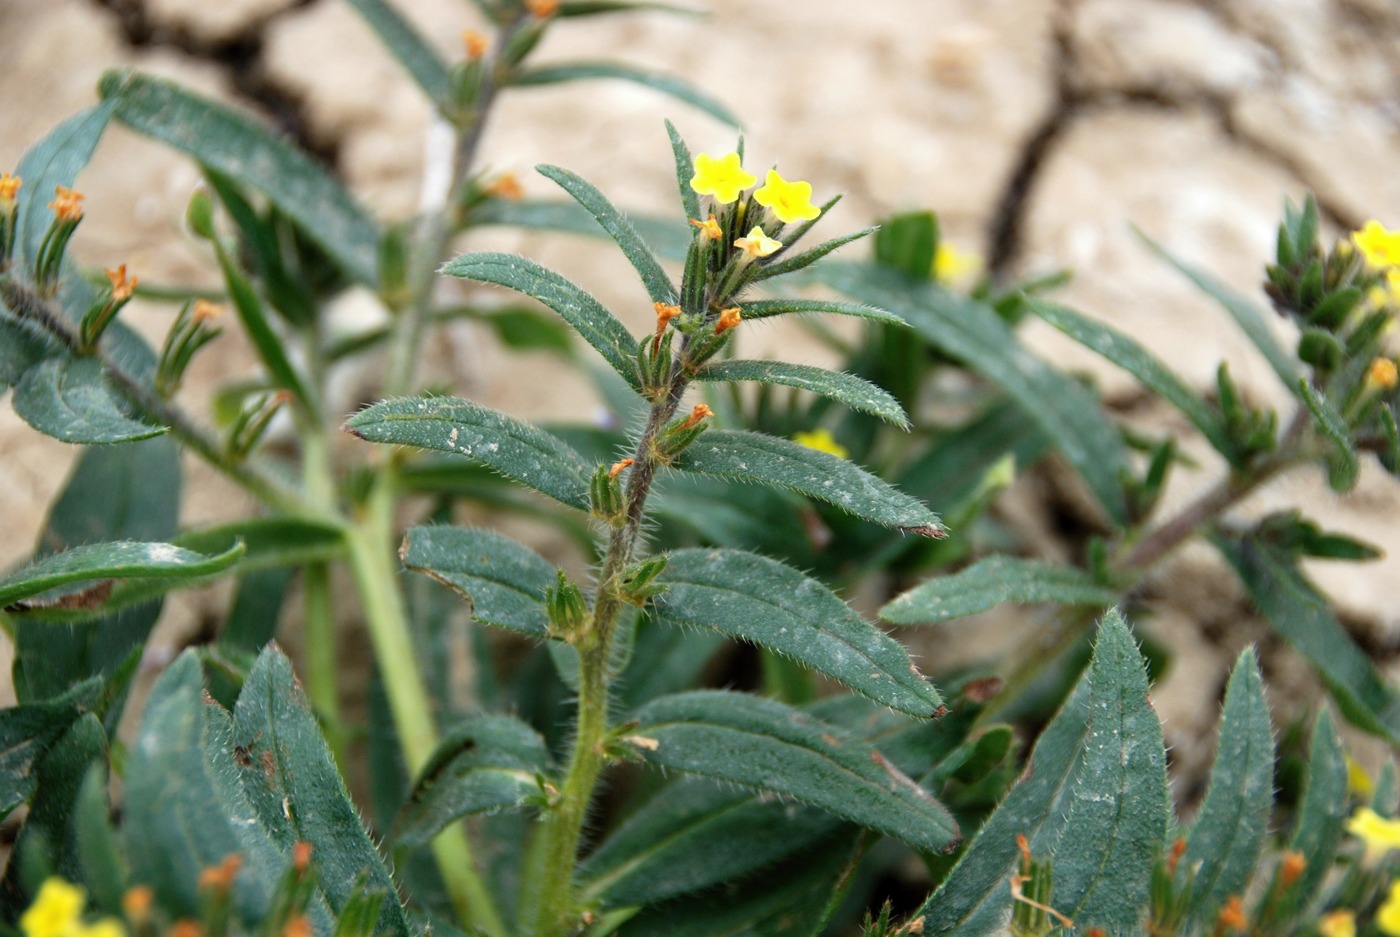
pixel 241 59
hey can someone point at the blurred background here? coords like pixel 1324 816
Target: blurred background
pixel 1041 131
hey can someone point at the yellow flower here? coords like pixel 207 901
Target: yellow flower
pixel 55 910
pixel 723 178
pixel 103 927
pixel 1338 924
pixel 1359 782
pixel 1388 914
pixel 1383 374
pixel 790 201
pixel 1379 246
pixel 821 440
pixel 1379 834
pixel 758 244
pixel 951 265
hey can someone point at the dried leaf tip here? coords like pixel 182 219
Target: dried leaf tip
pixel 932 531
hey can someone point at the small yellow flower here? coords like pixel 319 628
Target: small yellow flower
pixel 724 178
pixel 475 43
pixel 67 204
pixel 951 265
pixel 1338 924
pixel 821 440
pixel 55 911
pixel 790 201
pixel 1359 783
pixel 757 244
pixel 1380 247
pixel 9 187
pixel 728 319
pixel 1383 374
pixel 1388 914
pixel 122 285
pixel 709 228
pixel 102 927
pixel 1376 832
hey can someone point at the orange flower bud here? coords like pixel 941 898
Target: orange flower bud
pixel 301 855
pixel 67 204
pixel 9 186
pixel 475 43
pixel 1291 868
pixel 696 415
pixel 136 903
pixel 122 286
pixel 709 228
pixel 1383 374
pixel 728 319
pixel 204 310
pixel 220 877
pixel 1174 858
pixel 665 312
pixel 506 186
pixel 542 9
pixel 186 928
pixel 297 926
pixel 1232 915
pixel 618 466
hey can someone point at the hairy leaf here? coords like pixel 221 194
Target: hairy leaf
pixel 1322 813
pixel 103 561
pixel 766 745
pixel 768 460
pixel 511 447
pixel 504 581
pixel 1344 468
pixel 768 308
pixel 71 400
pixel 855 392
pixel 991 581
pixel 55 160
pixel 406 45
pixel 761 600
pixel 783 264
pixel 685 168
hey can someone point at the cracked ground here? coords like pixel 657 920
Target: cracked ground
pixel 1041 130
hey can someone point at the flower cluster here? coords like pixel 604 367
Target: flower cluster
pixel 725 180
pixel 57 911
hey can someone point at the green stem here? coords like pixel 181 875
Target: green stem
pixel 321 668
pixel 377 577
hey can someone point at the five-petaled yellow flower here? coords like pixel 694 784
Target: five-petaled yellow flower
pixel 1388 914
pixel 821 440
pixel 724 178
pixel 1380 246
pixel 1338 924
pixel 1376 832
pixel 790 201
pixel 55 911
pixel 758 244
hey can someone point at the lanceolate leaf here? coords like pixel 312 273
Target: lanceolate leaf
pixel 973 332
pixel 767 308
pixel 504 581
pixel 589 317
pixel 766 745
pixel 487 763
pixel 1303 617
pixel 785 264
pixel 685 169
pixel 1136 360
pixel 239 147
pixel 293 785
pixel 270 541
pixel 1342 475
pixel 758 599
pixel 512 447
pixel 658 284
pixel 55 160
pixel 1229 831
pixel 589 7
pixel 666 84
pixel 71 400
pixel 1322 813
pixel 974 900
pixel 855 392
pixel 103 561
pixel 755 457
pixel 406 45
pixel 667 238
pixel 1119 808
pixel 991 581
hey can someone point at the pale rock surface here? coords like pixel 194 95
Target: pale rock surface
pixel 214 22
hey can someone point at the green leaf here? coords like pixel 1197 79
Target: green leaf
pixel 1119 808
pixel 296 791
pixel 21 348
pixel 1246 316
pixel 667 238
pixel 658 284
pixel 71 400
pixel 487 763
pixel 103 561
pixel 1305 620
pixel 98 850
pixel 238 146
pixel 1323 811
pixel 908 243
pixel 406 45
pixel 755 457
pixel 974 900
pixel 770 604
pixel 503 581
pixel 589 317
pixel 685 169
pixel 511 447
pixel 763 744
pixel 1228 834
pixel 659 81
pixel 53 161
pixel 767 308
pixel 991 581
pixel 972 332
pixel 953 465
pixel 590 7
pixel 269 542
pixel 271 347
pixel 782 264
pixel 1343 467
pixel 1141 364
pixel 855 392
pixel 29 730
